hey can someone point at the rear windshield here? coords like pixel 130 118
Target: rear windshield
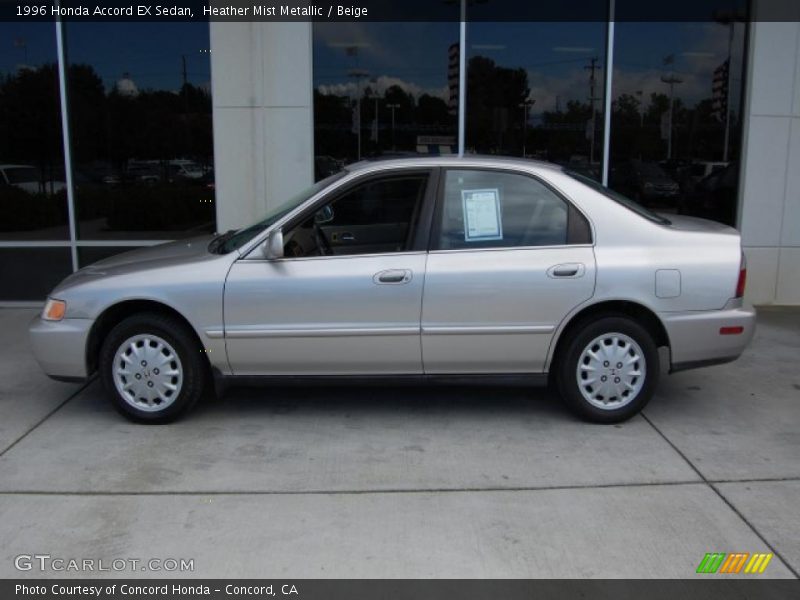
pixel 619 198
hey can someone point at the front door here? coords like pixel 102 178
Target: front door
pixel 506 266
pixel 346 297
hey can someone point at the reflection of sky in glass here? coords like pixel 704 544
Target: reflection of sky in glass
pixel 698 49
pixel 29 44
pixel 150 52
pixel 553 54
pixel 412 55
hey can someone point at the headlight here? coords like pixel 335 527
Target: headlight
pixel 54 310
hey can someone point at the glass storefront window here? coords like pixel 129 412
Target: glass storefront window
pixel 30 273
pixel 33 199
pixel 536 90
pixel 140 118
pixel 384 89
pixel 676 122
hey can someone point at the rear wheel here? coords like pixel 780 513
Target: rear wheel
pixel 609 369
pixel 151 368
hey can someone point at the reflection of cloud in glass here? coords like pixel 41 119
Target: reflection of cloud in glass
pixel 698 49
pixel 416 55
pixel 382 83
pixel 579 49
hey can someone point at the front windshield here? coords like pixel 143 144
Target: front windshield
pixel 619 198
pixel 241 237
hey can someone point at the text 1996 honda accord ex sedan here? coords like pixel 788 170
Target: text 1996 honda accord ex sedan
pixel 439 268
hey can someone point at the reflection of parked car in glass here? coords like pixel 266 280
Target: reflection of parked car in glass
pixel 417 268
pixel 185 168
pixel 645 182
pixel 325 166
pixel 29 179
pixel 714 196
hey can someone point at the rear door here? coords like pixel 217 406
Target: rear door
pixel 509 259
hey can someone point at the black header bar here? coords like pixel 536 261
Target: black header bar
pixel 397 10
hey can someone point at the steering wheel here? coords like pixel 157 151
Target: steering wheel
pixel 322 241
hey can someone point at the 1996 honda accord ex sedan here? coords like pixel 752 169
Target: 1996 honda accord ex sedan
pixel 465 269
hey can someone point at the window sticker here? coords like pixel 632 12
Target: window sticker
pixel 482 219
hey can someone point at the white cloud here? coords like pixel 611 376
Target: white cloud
pixel 383 83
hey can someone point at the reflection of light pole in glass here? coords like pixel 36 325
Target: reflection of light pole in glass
pixel 641 109
pixel 22 43
pixel 670 79
pixel 373 93
pixel 525 106
pixel 392 107
pixel 352 50
pixel 640 94
pixel 358 74
pixel 592 67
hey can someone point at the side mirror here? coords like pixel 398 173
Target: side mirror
pixel 273 247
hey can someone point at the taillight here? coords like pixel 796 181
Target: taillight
pixel 742 277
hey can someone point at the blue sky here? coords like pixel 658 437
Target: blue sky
pixel 411 54
pixel 150 52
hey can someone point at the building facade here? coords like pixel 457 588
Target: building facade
pixel 124 135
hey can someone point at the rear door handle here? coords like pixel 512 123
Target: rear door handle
pixel 392 276
pixel 347 237
pixel 566 271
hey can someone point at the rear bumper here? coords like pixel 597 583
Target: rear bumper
pixel 695 338
pixel 60 347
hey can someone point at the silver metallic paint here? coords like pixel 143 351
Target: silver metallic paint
pixel 487 311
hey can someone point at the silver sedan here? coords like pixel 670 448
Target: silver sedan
pixel 466 269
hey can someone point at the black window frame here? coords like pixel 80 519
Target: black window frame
pixel 579 228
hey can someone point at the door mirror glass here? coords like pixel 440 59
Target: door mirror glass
pixel 324 215
pixel 273 247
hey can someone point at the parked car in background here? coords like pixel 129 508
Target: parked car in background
pixel 714 196
pixel 474 269
pixel 29 179
pixel 645 182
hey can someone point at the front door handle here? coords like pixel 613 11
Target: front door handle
pixel 566 271
pixel 392 276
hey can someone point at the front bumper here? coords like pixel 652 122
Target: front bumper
pixel 60 346
pixel 695 338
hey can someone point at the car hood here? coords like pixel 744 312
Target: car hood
pixel 179 251
pixel 143 259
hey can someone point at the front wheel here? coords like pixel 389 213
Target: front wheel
pixel 609 370
pixel 151 368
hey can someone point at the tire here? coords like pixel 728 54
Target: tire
pixel 152 368
pixel 626 390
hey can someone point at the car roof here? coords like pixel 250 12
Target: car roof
pixel 452 160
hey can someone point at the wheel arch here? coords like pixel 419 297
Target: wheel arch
pixel 116 313
pixel 635 310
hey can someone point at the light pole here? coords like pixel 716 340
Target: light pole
pixel 525 106
pixel 358 74
pixel 392 107
pixel 640 93
pixel 671 80
pixel 592 67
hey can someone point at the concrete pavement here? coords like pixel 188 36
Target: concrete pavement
pixel 409 482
